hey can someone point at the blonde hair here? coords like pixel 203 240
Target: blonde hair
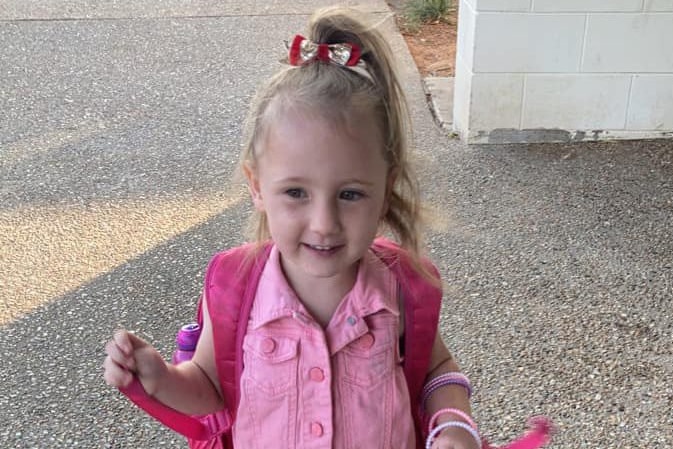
pixel 334 92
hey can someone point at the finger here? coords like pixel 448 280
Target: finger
pixel 123 339
pixel 115 352
pixel 128 342
pixel 115 375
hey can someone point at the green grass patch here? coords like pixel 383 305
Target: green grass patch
pixel 417 12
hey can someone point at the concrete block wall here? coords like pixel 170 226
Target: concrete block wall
pixel 563 70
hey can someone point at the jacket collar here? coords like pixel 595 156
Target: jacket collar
pixel 375 289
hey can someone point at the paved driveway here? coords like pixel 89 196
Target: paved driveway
pixel 119 136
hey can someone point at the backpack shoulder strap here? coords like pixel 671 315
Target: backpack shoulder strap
pixel 422 302
pixel 230 287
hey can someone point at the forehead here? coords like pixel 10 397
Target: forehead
pixel 301 141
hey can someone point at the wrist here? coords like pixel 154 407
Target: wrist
pixel 450 415
pixel 152 379
pixel 453 431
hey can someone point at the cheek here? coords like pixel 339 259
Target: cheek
pixel 365 220
pixel 282 215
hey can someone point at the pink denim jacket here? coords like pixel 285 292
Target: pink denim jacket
pixel 341 387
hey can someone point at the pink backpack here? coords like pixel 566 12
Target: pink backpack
pixel 230 285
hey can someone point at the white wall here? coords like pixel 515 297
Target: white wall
pixel 563 70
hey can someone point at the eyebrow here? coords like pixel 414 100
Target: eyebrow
pixel 299 179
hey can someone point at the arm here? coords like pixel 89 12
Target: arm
pixel 190 387
pixel 449 396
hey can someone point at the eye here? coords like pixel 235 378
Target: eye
pixel 351 195
pixel 295 193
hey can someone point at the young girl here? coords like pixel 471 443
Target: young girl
pixel 327 168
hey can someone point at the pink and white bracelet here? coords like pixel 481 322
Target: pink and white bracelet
pixel 436 431
pixel 453 411
pixel 467 423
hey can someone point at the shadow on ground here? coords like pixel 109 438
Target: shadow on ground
pixel 52 357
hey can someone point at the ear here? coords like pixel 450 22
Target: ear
pixel 253 186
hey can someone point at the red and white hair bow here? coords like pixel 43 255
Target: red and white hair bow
pixel 303 51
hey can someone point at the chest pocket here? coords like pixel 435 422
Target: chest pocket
pixel 270 362
pixel 370 360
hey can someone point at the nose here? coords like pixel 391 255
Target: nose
pixel 325 219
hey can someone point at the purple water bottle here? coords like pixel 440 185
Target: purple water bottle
pixel 185 341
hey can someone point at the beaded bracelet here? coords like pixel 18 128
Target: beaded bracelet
pixel 462 425
pixel 454 411
pixel 442 380
pixel 453 377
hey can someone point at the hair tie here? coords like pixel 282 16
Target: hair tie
pixel 347 55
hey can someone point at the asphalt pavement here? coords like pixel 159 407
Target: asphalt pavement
pixel 119 137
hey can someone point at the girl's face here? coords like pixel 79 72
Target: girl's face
pixel 323 188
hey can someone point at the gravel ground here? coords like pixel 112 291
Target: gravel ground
pixel 119 132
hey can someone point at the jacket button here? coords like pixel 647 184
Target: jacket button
pixel 366 341
pixel 316 375
pixel 268 345
pixel 316 429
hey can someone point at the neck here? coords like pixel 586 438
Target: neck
pixel 322 296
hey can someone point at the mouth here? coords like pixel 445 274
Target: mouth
pixel 324 249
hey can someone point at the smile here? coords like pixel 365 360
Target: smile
pixel 321 247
